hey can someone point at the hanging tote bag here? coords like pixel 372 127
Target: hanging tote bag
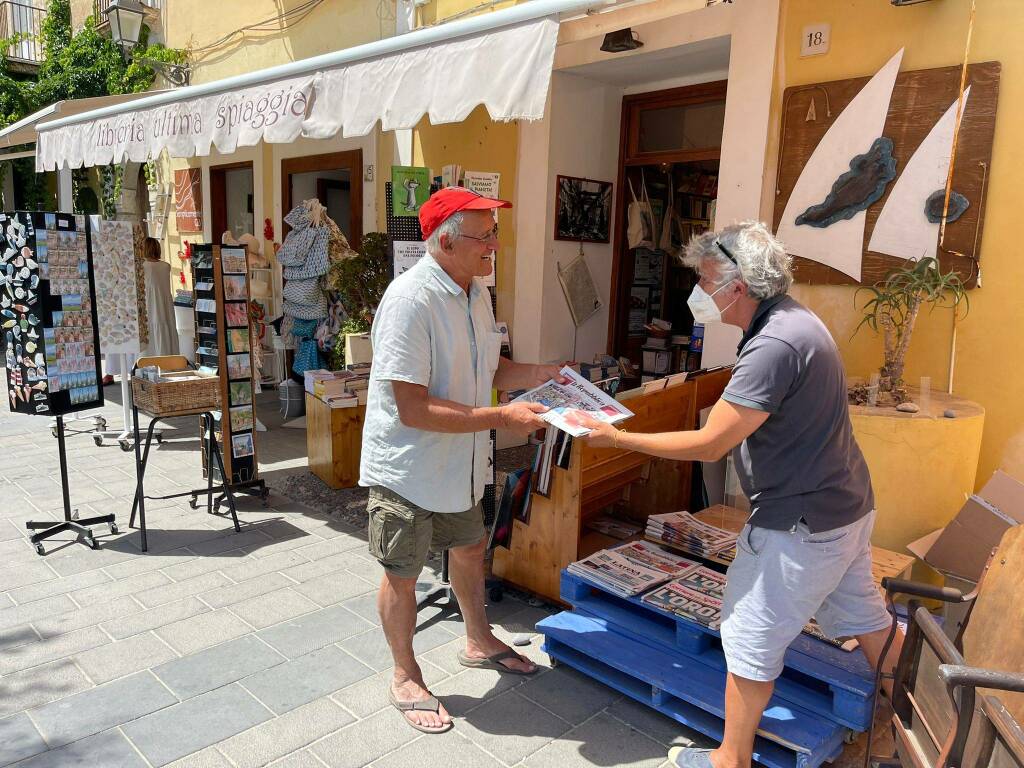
pixel 640 219
pixel 667 242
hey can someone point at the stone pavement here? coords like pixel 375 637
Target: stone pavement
pixel 246 649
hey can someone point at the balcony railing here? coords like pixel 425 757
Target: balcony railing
pixel 22 22
pixel 99 8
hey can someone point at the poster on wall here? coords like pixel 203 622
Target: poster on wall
pixel 117 300
pixel 49 313
pixel 407 253
pixel 583 210
pixel 188 199
pixel 410 189
pixel 485 184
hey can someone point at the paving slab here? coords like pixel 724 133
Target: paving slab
pixel 273 608
pixel 285 734
pixel 370 694
pixel 20 574
pixel 11 637
pixel 372 649
pixel 334 587
pixel 236 593
pixel 32 687
pixel 602 740
pixel 511 727
pixel 50 649
pixel 197 566
pixel 122 585
pixel 108 706
pixel 169 593
pixel 109 749
pixel 155 617
pixel 365 741
pixel 464 692
pixel 124 657
pixel 314 630
pixel 53 626
pixel 252 567
pixel 59 586
pixel 204 758
pixel 569 694
pixel 19 739
pixel 446 750
pixel 203 631
pixel 222 664
pixel 196 723
pixel 301 680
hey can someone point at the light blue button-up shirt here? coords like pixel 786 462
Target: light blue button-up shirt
pixel 427 331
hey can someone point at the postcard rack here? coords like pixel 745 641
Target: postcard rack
pixel 224 341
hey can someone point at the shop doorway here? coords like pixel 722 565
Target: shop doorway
pixel 669 152
pixel 335 179
pixel 231 200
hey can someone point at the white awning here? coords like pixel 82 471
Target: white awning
pixel 502 60
pixel 24 131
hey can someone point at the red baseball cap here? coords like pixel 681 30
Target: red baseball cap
pixel 449 200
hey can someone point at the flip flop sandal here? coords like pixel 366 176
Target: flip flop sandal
pixel 429 704
pixel 494 662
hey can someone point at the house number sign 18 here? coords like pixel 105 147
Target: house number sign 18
pixel 814 40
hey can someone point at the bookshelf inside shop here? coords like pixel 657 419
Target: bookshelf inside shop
pixel 557 531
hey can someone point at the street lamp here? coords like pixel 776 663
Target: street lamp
pixel 125 18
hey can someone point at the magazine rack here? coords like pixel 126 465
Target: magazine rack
pixel 597 477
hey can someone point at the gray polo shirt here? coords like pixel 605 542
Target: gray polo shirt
pixel 803 462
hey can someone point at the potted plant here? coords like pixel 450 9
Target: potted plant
pixel 893 306
pixel 359 281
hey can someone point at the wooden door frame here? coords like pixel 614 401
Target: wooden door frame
pixel 618 295
pixel 352 160
pixel 218 196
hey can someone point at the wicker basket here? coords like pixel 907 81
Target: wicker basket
pixel 177 398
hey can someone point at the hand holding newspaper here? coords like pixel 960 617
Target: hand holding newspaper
pixel 576 394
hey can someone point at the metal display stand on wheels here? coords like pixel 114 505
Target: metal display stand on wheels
pixel 71 521
pixel 212 454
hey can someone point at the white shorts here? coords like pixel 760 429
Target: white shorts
pixel 781 579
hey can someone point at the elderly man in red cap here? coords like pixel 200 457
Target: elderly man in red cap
pixel 425 439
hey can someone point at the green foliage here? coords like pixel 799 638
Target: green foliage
pixel 360 281
pixel 337 355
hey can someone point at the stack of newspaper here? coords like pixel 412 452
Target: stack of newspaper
pixel 683 531
pixel 696 595
pixel 630 569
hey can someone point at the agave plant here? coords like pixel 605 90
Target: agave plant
pixel 893 306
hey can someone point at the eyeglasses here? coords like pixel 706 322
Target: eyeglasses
pixel 726 251
pixel 491 234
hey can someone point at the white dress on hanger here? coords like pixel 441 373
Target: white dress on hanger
pixel 163 333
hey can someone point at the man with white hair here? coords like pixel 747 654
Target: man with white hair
pixel 426 437
pixel 806 548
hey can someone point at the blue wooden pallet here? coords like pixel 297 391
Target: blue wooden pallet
pixel 835 684
pixel 687 691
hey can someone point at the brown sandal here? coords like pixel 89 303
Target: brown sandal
pixel 429 704
pixel 494 662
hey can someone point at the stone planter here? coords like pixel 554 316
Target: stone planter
pixel 923 465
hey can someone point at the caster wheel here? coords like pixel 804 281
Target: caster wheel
pixel 40 550
pixel 553 661
pixel 495 594
pixel 850 737
pixel 194 502
pixel 98 439
pixel 94 544
pixel 53 431
pixel 101 424
pixel 113 528
pixel 125 445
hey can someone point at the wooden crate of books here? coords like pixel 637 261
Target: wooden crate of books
pixel 557 531
pixel 334 439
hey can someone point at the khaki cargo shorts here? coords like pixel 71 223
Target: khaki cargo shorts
pixel 401 534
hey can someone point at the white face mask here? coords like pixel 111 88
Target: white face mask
pixel 702 305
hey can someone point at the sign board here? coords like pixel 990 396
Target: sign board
pixel 188 199
pixel 814 40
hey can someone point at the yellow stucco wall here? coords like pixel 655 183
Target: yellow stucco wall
pixel 330 26
pixel 865 33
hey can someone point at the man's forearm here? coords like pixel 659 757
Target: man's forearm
pixel 511 376
pixel 437 415
pixel 694 445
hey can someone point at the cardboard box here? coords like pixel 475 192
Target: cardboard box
pixel 358 348
pixel 962 548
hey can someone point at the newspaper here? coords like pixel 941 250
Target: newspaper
pixel 686 603
pixel 705 581
pixel 655 557
pixel 619 575
pixel 690 534
pixel 577 394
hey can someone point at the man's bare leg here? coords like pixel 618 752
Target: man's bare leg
pixel 872 645
pixel 467 576
pixel 396 603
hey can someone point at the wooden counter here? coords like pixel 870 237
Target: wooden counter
pixel 334 441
